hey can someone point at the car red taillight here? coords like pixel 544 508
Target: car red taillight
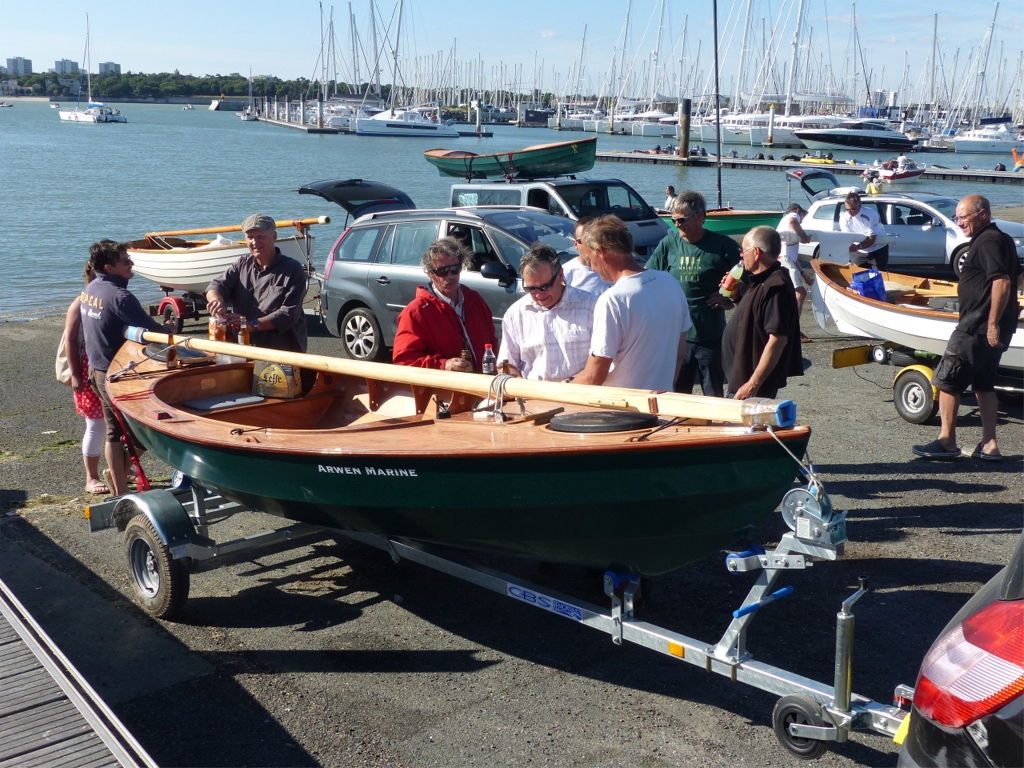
pixel 976 668
pixel 330 256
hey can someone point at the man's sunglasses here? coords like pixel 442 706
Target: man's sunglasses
pixel 683 219
pixel 541 288
pixel 451 269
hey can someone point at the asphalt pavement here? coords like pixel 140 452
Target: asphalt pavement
pixel 327 653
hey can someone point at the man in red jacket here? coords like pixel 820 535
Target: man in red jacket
pixel 444 318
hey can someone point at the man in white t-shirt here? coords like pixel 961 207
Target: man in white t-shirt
pixel 546 334
pixel 791 230
pixel 864 221
pixel 640 323
pixel 670 197
pixel 578 272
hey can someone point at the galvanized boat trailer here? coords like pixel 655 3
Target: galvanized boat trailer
pixel 165 528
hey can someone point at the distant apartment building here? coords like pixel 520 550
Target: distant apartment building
pixel 109 66
pixel 65 67
pixel 19 67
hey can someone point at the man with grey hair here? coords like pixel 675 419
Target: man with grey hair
pixel 698 258
pixel 861 220
pixel 761 344
pixel 987 294
pixel 546 334
pixel 264 287
pixel 640 323
pixel 446 325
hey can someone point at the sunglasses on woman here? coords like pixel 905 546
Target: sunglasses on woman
pixel 451 269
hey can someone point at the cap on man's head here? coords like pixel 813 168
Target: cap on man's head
pixel 259 221
pixel 794 207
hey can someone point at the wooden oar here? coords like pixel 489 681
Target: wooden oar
pixel 238 227
pixel 753 412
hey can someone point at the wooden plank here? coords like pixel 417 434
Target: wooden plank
pixel 15 659
pixel 86 749
pixel 28 691
pixel 32 730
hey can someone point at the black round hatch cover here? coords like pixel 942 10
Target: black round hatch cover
pixel 603 421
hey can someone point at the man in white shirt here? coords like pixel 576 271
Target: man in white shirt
pixel 670 198
pixel 901 162
pixel 578 272
pixel 790 229
pixel 546 334
pixel 864 221
pixel 640 323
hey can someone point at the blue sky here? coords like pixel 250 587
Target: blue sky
pixel 283 38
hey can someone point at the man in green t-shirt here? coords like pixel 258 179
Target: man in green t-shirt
pixel 699 259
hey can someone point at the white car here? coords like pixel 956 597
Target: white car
pixel 921 225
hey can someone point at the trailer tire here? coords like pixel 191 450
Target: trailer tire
pixel 797 708
pixel 171 316
pixel 913 397
pixel 160 582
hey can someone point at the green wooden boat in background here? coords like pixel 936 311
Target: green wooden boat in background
pixel 543 160
pixel 728 221
pixel 363 452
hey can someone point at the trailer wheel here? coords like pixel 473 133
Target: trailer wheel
pixel 797 708
pixel 913 397
pixel 159 581
pixel 171 316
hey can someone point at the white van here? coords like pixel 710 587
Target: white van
pixel 574 199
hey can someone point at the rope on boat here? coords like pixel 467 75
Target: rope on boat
pixel 497 386
pixel 806 467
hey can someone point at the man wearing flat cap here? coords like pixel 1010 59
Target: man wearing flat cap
pixel 266 288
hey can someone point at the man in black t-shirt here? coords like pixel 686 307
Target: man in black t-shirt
pixel 988 318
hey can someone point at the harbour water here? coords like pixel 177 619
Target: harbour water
pixel 67 185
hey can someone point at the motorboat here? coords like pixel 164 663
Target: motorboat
pixel 189 259
pixel 873 135
pixel 893 173
pixel 990 140
pixel 95 112
pixel 532 162
pixel 55 105
pixel 403 122
pixel 784 130
pixel 634 480
pixel 188 108
pixel 4 104
pixel 918 313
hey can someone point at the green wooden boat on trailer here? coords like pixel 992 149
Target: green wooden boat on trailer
pixel 409 453
pixel 732 222
pixel 543 160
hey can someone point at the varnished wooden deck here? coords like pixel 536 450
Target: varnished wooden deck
pixel 49 716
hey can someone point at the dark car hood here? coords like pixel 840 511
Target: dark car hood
pixel 358 196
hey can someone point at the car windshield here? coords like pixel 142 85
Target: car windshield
pixel 944 205
pixel 530 228
pixel 595 198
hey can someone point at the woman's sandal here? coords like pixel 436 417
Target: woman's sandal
pixel 97 488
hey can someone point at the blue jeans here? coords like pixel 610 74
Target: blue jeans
pixel 707 359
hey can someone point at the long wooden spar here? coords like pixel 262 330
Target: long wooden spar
pixel 284 224
pixel 753 412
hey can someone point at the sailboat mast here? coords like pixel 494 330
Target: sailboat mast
pixel 88 60
pixel 743 59
pixel 657 58
pixel 982 64
pixel 795 59
pixel 935 44
pixel 718 105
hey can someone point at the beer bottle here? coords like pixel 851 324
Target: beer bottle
pixel 467 353
pixel 243 333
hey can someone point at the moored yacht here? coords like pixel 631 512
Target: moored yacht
pixel 403 122
pixel 784 131
pixel 991 139
pixel 868 135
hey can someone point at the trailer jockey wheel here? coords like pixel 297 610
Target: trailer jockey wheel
pixel 171 316
pixel 160 582
pixel 880 355
pixel 797 708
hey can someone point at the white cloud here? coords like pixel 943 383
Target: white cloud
pixel 547 34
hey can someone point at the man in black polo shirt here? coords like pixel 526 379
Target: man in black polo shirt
pixel 265 287
pixel 761 343
pixel 988 319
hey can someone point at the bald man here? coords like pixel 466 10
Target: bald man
pixel 988 318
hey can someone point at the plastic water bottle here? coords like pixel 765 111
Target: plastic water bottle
pixel 729 286
pixel 490 362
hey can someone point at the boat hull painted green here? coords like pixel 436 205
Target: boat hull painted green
pixel 737 223
pixel 535 162
pixel 648 511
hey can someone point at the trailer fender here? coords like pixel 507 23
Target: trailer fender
pixel 924 369
pixel 164 511
pixel 178 303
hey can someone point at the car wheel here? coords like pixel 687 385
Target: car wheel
pixel 361 337
pixel 958 261
pixel 817 252
pixel 913 397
